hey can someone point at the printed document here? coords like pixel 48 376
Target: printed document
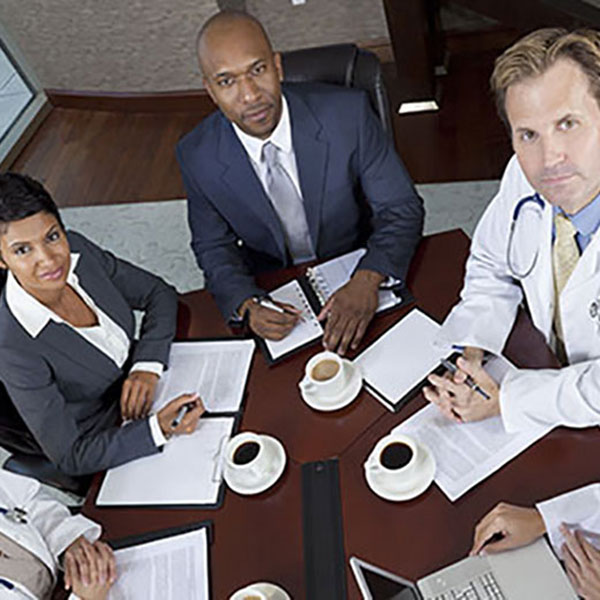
pixel 187 472
pixel 170 568
pixel 467 453
pixel 217 370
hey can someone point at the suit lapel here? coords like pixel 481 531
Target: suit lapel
pixel 239 176
pixel 62 339
pixel 311 159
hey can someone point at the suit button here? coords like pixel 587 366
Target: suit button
pixel 240 243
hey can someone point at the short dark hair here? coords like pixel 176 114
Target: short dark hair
pixel 21 197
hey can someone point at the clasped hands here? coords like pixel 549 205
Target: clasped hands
pixel 456 399
pixel 508 526
pixel 348 312
pixel 89 569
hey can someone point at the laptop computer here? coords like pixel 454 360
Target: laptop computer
pixel 521 574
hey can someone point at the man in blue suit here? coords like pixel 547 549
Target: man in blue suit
pixel 275 179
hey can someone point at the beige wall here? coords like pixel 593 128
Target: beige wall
pixel 109 45
pixel 319 21
pixel 148 45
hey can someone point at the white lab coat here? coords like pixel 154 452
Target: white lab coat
pixel 489 302
pixel 50 527
pixel 486 313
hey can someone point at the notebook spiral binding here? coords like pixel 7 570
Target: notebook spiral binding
pixel 319 285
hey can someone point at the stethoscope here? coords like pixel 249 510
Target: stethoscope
pixel 537 201
pixel 594 309
pixel 15 515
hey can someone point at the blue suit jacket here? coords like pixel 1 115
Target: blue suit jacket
pixel 65 389
pixel 342 155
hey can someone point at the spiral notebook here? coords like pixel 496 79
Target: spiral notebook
pixel 310 293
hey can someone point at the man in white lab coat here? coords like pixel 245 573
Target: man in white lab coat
pixel 537 244
pixel 38 536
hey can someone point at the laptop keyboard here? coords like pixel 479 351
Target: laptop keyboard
pixel 487 582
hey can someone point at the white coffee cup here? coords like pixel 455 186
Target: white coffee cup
pixel 248 457
pixel 394 461
pixel 260 591
pixel 325 374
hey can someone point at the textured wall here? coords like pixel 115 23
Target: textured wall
pixel 109 45
pixel 319 21
pixel 148 45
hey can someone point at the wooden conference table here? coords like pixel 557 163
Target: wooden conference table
pixel 259 538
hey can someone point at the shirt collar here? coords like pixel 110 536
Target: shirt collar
pixel 280 137
pixel 587 220
pixel 31 314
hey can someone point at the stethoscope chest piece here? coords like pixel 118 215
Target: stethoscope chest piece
pixel 15 515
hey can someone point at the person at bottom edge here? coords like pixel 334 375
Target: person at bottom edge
pixel 39 536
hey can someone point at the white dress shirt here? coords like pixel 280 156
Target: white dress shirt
pixel 280 137
pixel 107 336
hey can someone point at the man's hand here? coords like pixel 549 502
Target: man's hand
pixel 269 323
pixel 89 569
pixel 168 413
pixel 582 562
pixel 507 526
pixel 137 394
pixel 457 400
pixel 350 310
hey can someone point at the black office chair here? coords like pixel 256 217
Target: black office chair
pixel 341 64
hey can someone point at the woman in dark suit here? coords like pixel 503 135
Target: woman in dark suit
pixel 68 357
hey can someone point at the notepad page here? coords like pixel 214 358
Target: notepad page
pixel 402 357
pixel 171 568
pixel 330 276
pixel 305 331
pixel 187 472
pixel 467 453
pixel 216 370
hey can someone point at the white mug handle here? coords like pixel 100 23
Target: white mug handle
pixel 306 385
pixel 372 465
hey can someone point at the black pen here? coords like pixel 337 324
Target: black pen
pixel 450 366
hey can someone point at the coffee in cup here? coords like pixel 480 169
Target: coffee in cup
pixel 324 375
pixel 325 369
pixel 245 453
pixel 248 458
pixel 396 455
pixel 394 461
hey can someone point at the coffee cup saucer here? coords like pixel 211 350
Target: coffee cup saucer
pixel 342 398
pixel 424 474
pixel 273 591
pixel 247 488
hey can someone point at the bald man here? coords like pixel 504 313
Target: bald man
pixel 277 177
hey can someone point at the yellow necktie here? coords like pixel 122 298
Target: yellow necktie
pixel 565 254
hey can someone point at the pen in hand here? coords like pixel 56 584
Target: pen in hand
pixel 266 303
pixel 452 368
pixel 181 414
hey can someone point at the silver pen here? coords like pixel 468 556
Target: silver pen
pixel 450 366
pixel 176 422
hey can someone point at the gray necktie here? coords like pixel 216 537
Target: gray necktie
pixel 288 205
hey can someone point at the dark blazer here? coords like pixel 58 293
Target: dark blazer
pixel 66 390
pixel 343 156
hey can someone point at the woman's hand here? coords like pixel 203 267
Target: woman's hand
pixel 89 569
pixel 167 415
pixel 137 394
